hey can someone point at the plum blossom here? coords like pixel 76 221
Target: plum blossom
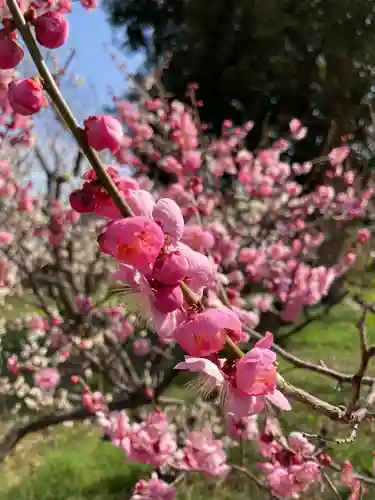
pixel 205 333
pixel 205 454
pixel 256 373
pixel 153 489
pixel 135 241
pixel 47 378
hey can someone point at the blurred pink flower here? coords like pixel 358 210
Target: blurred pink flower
pixel 47 378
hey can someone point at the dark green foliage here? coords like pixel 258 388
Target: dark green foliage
pixel 262 60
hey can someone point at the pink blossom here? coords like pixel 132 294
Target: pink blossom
pixel 51 29
pixel 256 373
pixel 297 130
pixel 26 97
pixel 282 483
pixel 201 273
pixel 93 401
pixel 47 378
pixel 141 202
pixel 151 442
pixel 171 268
pixel 103 132
pixel 141 297
pixel 36 323
pixel 168 215
pixel 124 331
pixel 153 489
pixel 191 161
pixel 363 235
pixel 242 427
pixel 135 241
pixel 197 238
pixel 5 238
pixel 205 333
pixel 11 53
pixel 116 426
pixel 204 454
pixel 89 4
pixel 141 347
pixel 338 155
pixel 13 365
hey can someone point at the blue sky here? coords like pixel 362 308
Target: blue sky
pixel 88 31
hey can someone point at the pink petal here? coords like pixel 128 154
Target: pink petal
pixel 279 400
pixel 266 342
pixel 166 324
pixel 201 365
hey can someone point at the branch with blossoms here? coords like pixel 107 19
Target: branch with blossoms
pixel 268 260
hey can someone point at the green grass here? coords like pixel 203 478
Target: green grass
pixel 74 464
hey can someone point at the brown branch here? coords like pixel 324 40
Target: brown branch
pixel 20 431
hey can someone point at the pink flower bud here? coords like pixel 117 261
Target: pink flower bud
pixel 103 132
pixel 52 30
pixel 168 299
pixel 363 235
pixel 26 97
pixel 82 201
pixel 350 258
pixel 191 161
pixel 171 269
pixel 141 347
pixel 11 53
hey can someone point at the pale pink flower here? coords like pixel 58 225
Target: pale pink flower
pixel 36 323
pixel 136 241
pixel 204 454
pixel 153 489
pixel 191 161
pixel 139 298
pixel 256 373
pixel 151 441
pixel 242 427
pixel 338 155
pixel 116 426
pixel 168 215
pixel 93 401
pixel 47 378
pixel 141 202
pixel 201 273
pixel 281 482
pixel 124 331
pixel 297 130
pixel 363 235
pixel 5 238
pixel 197 238
pixel 141 347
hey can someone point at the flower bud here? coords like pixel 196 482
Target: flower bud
pixel 52 30
pixel 82 201
pixel 26 97
pixel 11 53
pixel 171 269
pixel 103 132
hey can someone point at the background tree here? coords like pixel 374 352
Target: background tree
pixel 267 61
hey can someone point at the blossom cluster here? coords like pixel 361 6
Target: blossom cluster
pixel 200 259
